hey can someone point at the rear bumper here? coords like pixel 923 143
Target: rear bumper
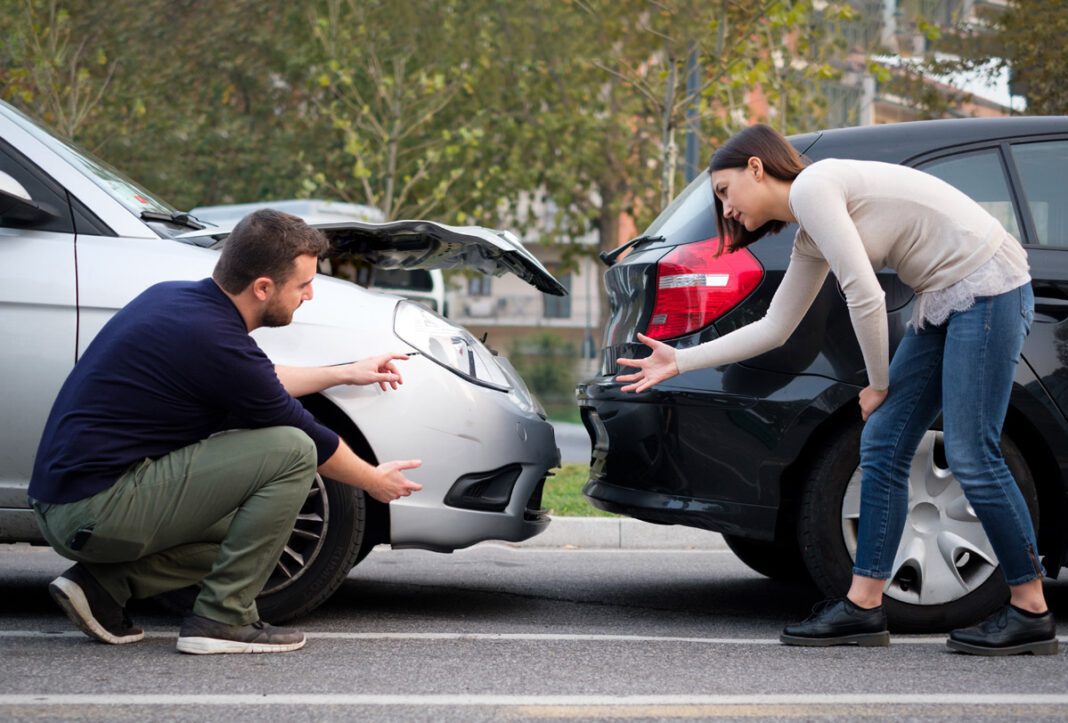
pixel 689 453
pixel 635 471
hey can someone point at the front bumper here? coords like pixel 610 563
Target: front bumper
pixel 464 434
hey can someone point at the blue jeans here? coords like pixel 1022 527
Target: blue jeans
pixel 963 368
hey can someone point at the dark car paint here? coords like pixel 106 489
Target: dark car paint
pixel 722 449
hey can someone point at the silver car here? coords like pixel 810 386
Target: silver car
pixel 78 241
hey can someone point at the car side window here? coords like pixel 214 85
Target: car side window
pixel 1044 175
pixel 41 189
pixel 981 175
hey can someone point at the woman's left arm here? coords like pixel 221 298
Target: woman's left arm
pixel 820 207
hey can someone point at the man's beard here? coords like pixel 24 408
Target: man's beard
pixel 276 315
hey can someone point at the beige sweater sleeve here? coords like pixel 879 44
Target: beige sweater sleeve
pixel 802 281
pixel 818 201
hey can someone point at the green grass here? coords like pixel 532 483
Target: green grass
pixel 563 412
pixel 563 493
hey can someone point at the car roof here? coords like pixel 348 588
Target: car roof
pixel 898 142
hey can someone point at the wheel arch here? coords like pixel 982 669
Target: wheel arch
pixel 331 415
pixel 1049 485
pixel 842 415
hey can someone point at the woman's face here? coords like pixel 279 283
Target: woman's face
pixel 742 194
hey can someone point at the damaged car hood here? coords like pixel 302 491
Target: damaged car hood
pixel 423 245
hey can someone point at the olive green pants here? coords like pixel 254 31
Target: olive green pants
pixel 217 512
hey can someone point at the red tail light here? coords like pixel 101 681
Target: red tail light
pixel 694 287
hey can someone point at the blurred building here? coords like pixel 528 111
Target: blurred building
pixel 883 81
pixel 510 311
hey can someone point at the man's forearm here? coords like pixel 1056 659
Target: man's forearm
pixel 345 466
pixel 299 381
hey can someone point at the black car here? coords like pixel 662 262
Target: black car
pixel 766 451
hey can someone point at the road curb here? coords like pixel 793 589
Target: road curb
pixel 623 533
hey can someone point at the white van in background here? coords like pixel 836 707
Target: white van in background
pixel 424 286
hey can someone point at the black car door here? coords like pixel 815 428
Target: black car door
pixel 1041 170
pixel 1037 214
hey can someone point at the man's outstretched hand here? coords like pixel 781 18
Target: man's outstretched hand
pixel 389 482
pixel 380 370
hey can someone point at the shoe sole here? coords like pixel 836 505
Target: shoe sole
pixel 71 598
pixel 863 640
pixel 1041 647
pixel 215 646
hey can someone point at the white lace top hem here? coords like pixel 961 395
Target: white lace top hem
pixel 1004 271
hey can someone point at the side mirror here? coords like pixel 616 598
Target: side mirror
pixel 16 206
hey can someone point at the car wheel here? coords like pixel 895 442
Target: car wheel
pixel 779 560
pixel 945 574
pixel 324 545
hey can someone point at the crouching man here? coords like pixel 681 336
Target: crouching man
pixel 133 479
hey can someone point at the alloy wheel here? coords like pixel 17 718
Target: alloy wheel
pixel 305 541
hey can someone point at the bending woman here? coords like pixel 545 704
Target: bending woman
pixel 973 309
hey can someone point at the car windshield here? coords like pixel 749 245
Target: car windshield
pixel 123 189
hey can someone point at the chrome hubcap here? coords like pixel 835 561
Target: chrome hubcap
pixel 944 552
pixel 305 541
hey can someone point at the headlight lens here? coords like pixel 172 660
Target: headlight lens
pixel 449 345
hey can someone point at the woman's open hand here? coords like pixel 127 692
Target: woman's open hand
pixel 653 369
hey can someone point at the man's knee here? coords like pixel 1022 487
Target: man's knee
pixel 294 451
pixel 299 443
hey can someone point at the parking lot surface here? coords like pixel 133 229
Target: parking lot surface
pixel 498 632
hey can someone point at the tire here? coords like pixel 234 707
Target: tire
pixel 779 560
pixel 963 584
pixel 323 547
pixel 325 544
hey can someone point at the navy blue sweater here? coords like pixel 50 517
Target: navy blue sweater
pixel 174 366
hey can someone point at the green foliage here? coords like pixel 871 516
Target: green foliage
pixel 547 364
pixel 1026 38
pixel 448 109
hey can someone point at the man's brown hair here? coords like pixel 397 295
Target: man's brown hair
pixel 266 243
pixel 781 160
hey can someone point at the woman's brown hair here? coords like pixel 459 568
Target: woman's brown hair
pixel 781 160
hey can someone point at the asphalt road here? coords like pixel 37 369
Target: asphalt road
pixel 496 632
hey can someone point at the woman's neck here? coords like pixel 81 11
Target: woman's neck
pixel 780 200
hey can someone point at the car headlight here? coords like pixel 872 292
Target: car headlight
pixel 457 350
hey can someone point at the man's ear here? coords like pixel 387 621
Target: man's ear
pixel 262 288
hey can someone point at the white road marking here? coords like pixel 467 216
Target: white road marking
pixel 494 637
pixel 417 700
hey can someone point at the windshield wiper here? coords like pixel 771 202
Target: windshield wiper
pixel 609 257
pixel 179 218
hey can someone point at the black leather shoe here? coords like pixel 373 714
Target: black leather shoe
pixel 1007 632
pixel 839 622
